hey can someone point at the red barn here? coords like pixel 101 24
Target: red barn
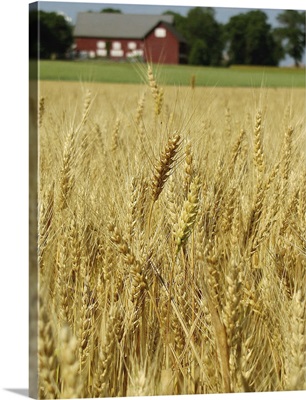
pixel 151 38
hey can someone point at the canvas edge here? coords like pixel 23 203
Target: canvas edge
pixel 33 217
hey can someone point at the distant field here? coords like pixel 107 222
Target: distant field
pixel 98 71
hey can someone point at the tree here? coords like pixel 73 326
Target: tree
pixel 201 24
pixel 179 22
pixel 204 34
pixel 260 44
pixel 292 33
pixel 236 36
pixel 198 53
pixel 111 10
pixel 54 35
pixel 251 40
pixel 33 34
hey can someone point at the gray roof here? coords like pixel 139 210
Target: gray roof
pixel 117 26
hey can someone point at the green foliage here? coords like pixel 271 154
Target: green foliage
pixel 235 33
pixel 201 25
pixel 203 34
pixel 33 34
pixel 198 53
pixel 292 33
pixel 251 40
pixel 179 22
pixel 50 35
pixel 111 10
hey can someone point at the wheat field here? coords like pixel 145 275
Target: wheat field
pixel 172 239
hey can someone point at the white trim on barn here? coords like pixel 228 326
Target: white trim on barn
pixel 135 53
pixel 101 44
pixel 160 32
pixel 116 53
pixel 101 53
pixel 132 45
pixel 116 45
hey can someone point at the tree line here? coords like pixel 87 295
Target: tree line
pixel 246 39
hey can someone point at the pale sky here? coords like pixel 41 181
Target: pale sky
pixel 72 8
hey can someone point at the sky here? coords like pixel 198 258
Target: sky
pixel 222 9
pixel 222 13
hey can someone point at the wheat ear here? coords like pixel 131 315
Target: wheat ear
pixel 188 215
pixel 189 169
pixel 140 108
pixel 87 103
pixel 297 343
pixel 258 148
pixel 164 165
pixel 286 156
pixel 157 92
pixel 71 383
pixel 41 111
pixel 66 171
pixel 47 359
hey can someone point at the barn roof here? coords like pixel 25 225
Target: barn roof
pixel 118 26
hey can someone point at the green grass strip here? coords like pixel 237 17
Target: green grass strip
pixel 121 72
